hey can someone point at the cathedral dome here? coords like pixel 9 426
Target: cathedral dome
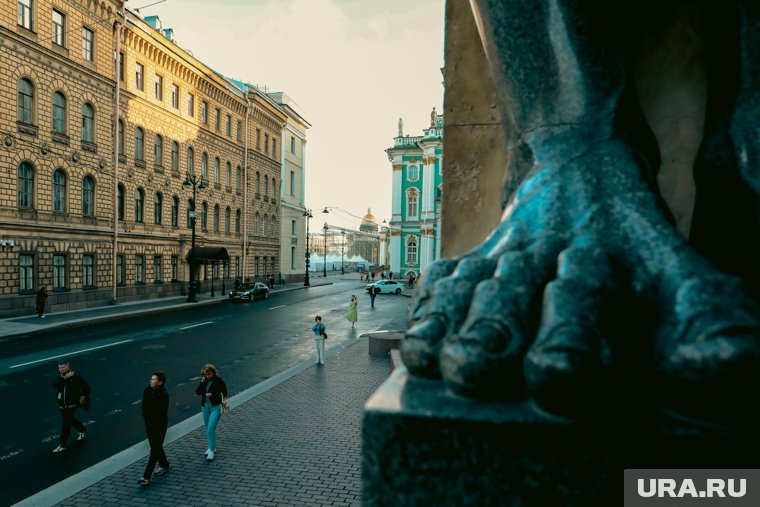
pixel 369 223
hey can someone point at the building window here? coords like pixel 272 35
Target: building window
pixel 238 176
pixel 25 101
pixel 204 216
pixel 120 202
pixel 411 204
pixel 204 112
pixel 217 171
pixel 158 205
pixel 256 267
pixel 139 269
pixel 189 211
pixel 237 267
pixel 88 196
pixel 274 149
pixel 175 96
pixel 258 139
pixel 266 143
pixel 274 187
pixel 292 144
pixel 264 226
pixel 59 191
pixel 121 137
pixel 292 227
pixel 59 113
pixel 156 268
pixel 139 144
pixel 88 44
pixel 239 130
pixel 121 66
pixel 26 272
pixel 229 126
pixel 121 270
pixel 175 156
pixel 227 220
pixel 159 87
pixel 88 270
pixel 204 166
pixel 412 172
pixel 411 251
pixel 190 104
pixel 256 224
pixel 190 161
pixel 59 28
pixel 266 186
pixel 273 232
pixel 175 212
pixel 25 185
pixel 158 150
pixel 228 173
pixel 218 119
pixel 88 123
pixel 175 268
pixel 216 218
pixel 237 222
pixel 292 183
pixel 292 257
pixel 139 76
pixel 258 182
pixel 139 205
pixel 59 271
pixel 25 18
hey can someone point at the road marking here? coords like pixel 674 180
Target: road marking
pixel 69 354
pixel 196 325
pixel 281 306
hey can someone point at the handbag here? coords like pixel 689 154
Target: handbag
pixel 225 405
pixel 324 335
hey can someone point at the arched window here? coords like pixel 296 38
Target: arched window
pixel 274 187
pixel 139 205
pixel 227 220
pixel 238 176
pixel 88 196
pixel 256 224
pixel 237 222
pixel 216 218
pixel 25 101
pixel 273 232
pixel 120 205
pixel 175 156
pixel 266 186
pixel 139 144
pixel 59 191
pixel 204 166
pixel 229 174
pixel 158 150
pixel 258 182
pixel 88 123
pixel 25 185
pixel 411 251
pixel 190 161
pixel 217 170
pixel 264 226
pixel 189 210
pixel 158 204
pixel 204 216
pixel 59 113
pixel 412 204
pixel 412 173
pixel 121 137
pixel 175 211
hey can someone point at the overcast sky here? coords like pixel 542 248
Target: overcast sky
pixel 353 66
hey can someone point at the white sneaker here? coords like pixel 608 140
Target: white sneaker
pixel 81 435
pixel 210 456
pixel 58 449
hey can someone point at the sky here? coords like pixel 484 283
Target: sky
pixel 354 67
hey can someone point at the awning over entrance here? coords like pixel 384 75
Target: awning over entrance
pixel 207 254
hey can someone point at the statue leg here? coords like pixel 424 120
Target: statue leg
pixel 585 281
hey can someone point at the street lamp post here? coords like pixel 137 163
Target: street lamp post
pixel 324 263
pixel 197 184
pixel 342 248
pixel 308 215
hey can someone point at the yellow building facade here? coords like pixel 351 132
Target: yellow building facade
pixel 94 208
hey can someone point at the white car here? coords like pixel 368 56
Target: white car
pixel 387 286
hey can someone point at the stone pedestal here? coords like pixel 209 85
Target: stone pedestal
pixel 425 446
pixel 381 343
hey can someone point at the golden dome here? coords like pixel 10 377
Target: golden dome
pixel 369 217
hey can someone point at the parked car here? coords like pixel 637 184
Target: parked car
pixel 249 292
pixel 387 286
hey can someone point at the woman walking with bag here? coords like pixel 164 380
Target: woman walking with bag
pixel 353 311
pixel 212 391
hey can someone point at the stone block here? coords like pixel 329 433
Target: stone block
pixel 380 344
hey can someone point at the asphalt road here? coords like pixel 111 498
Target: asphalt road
pixel 247 342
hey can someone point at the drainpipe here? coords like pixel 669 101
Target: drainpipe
pixel 117 106
pixel 245 185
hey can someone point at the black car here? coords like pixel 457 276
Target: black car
pixel 249 292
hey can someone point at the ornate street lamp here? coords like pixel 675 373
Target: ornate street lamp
pixel 324 263
pixel 308 215
pixel 199 184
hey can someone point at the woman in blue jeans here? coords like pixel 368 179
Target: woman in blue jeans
pixel 211 389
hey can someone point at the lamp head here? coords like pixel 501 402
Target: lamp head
pixel 202 185
pixel 325 210
pixel 187 182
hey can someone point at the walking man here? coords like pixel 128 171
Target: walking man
pixel 73 392
pixel 373 292
pixel 155 412
pixel 40 302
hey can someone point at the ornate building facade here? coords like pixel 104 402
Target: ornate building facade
pixel 94 203
pixel 415 222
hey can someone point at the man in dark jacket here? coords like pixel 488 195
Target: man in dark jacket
pixel 155 412
pixel 73 392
